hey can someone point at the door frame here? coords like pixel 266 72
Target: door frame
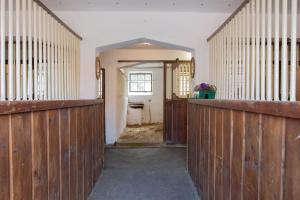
pixel 177 61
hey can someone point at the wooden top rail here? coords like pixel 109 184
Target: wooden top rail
pixel 281 109
pixel 13 107
pixel 229 19
pixel 57 18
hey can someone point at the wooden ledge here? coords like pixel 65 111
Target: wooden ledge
pixel 281 109
pixel 13 107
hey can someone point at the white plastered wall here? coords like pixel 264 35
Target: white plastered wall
pixel 104 28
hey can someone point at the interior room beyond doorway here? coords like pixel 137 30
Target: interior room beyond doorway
pixel 134 98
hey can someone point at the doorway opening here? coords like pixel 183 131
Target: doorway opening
pixel 144 117
pixel 138 90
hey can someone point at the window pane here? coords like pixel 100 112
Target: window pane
pixel 148 87
pixel 141 77
pixel 148 77
pixel 140 82
pixel 133 87
pixel 141 87
pixel 133 77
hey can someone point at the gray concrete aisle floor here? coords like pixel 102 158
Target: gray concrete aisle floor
pixel 145 174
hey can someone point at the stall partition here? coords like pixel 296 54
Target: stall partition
pixel 245 144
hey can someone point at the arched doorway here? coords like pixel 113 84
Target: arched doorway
pixel 142 52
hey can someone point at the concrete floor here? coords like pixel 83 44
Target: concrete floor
pixel 145 174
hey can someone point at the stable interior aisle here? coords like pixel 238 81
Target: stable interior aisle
pixel 145 174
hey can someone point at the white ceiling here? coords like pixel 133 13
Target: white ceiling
pixel 223 6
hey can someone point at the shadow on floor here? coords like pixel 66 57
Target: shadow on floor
pixel 145 174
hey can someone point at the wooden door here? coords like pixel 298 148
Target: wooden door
pixel 175 105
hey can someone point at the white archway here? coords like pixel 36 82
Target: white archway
pixel 143 40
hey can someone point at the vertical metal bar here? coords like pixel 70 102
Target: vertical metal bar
pixel 59 63
pixel 276 53
pixel 213 61
pixel 78 68
pixel 68 70
pixel 209 58
pixel 233 60
pixel 44 69
pixel 248 52
pixel 230 58
pixel 257 50
pixel 236 61
pixel 62 64
pixel 65 63
pixel 40 51
pixel 284 52
pixel 73 67
pixel 263 50
pixel 240 56
pixel 219 70
pixel 10 52
pixel 217 61
pixel 227 61
pixel 253 51
pixel 18 52
pixel 244 55
pixel 224 63
pixel 3 53
pixel 30 49
pixel 48 74
pixel 35 52
pixel 56 59
pixel 24 24
pixel 52 60
pixel 269 49
pixel 293 74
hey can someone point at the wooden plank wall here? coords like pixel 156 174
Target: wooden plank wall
pixel 244 150
pixel 176 121
pixel 50 153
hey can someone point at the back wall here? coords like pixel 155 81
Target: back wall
pixel 104 28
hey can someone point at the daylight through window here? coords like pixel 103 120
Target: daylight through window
pixel 140 82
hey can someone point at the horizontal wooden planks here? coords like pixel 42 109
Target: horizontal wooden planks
pixel 251 155
pixel 42 152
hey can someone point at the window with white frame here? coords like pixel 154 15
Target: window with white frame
pixel 183 78
pixel 140 83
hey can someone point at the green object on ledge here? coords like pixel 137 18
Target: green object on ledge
pixel 206 94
